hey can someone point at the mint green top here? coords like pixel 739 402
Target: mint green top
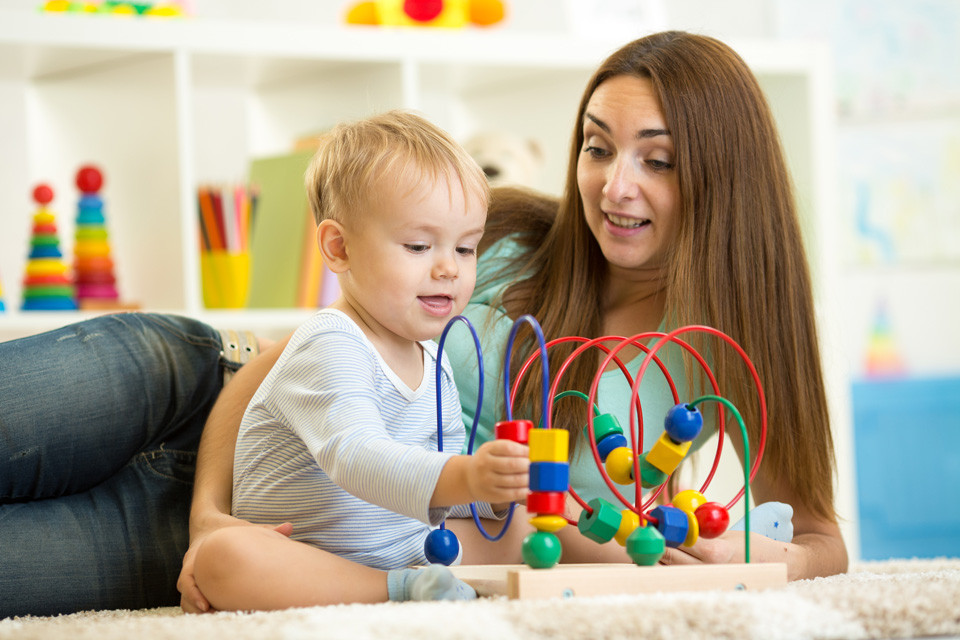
pixel 493 326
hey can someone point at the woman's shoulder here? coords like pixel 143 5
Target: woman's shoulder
pixel 497 267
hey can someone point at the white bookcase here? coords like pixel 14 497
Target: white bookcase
pixel 162 106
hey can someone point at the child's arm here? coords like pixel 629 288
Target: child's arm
pixel 496 473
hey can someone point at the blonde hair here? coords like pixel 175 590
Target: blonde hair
pixel 354 159
pixel 738 263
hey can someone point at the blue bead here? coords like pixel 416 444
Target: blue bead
pixel 683 423
pixel 549 476
pixel 609 443
pixel 672 524
pixel 441 547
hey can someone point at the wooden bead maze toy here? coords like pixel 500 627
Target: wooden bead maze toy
pixel 644 530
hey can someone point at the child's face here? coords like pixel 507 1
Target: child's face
pixel 413 258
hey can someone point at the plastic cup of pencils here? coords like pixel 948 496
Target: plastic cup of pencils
pixel 225 278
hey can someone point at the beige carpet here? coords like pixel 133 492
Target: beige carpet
pixel 895 599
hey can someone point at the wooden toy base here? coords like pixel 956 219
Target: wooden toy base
pixel 519 581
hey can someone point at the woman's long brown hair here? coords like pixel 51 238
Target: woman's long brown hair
pixel 738 265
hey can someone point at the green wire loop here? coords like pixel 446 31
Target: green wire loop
pixel 746 465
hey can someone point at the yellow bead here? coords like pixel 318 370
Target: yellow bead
pixel 549 445
pixel 688 500
pixel 693 529
pixel 666 454
pixel 46 267
pixel 620 465
pixel 549 523
pixel 628 522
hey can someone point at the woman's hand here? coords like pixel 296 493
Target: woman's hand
pixel 728 549
pixel 191 600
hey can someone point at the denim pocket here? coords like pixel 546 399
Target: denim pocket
pixel 178 466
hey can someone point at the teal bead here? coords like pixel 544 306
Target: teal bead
pixel 541 550
pixel 650 476
pixel 645 546
pixel 602 523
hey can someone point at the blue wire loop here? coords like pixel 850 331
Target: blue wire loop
pixel 544 363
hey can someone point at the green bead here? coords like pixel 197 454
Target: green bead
pixel 645 546
pixel 650 476
pixel 604 425
pixel 602 523
pixel 541 550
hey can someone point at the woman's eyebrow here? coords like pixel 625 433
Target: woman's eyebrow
pixel 643 134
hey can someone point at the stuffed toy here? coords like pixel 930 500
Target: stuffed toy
pixel 453 14
pixel 506 159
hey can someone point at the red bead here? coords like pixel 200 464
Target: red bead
pixel 43 194
pixel 516 430
pixel 713 519
pixel 551 502
pixel 89 179
pixel 422 10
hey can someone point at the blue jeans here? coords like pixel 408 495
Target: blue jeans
pixel 99 427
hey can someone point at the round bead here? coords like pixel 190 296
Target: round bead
pixel 683 422
pixel 713 519
pixel 672 524
pixel 609 443
pixel 688 500
pixel 441 547
pixel 619 465
pixel 541 550
pixel 549 502
pixel 43 194
pixel 628 522
pixel 650 476
pixel 516 430
pixel 645 546
pixel 601 523
pixel 422 10
pixel 693 529
pixel 89 179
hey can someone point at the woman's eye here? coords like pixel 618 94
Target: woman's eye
pixel 596 152
pixel 660 165
pixel 416 248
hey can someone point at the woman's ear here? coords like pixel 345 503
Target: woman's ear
pixel 333 245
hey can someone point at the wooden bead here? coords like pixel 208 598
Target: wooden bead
pixel 619 465
pixel 683 422
pixel 549 445
pixel 672 524
pixel 713 519
pixel 645 546
pixel 441 547
pixel 516 430
pixel 650 476
pixel 546 502
pixel 549 476
pixel 541 550
pixel 549 523
pixel 666 454
pixel 609 443
pixel 693 529
pixel 628 522
pixel 604 425
pixel 688 500
pixel 601 523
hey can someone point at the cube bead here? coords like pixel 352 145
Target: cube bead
pixel 549 476
pixel 666 454
pixel 549 445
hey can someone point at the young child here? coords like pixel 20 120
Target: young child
pixel 341 438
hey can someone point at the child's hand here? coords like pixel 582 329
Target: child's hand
pixel 499 472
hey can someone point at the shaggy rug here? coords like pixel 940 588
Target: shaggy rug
pixel 893 599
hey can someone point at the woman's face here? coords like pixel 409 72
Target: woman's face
pixel 627 174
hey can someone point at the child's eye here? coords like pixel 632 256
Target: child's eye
pixel 416 248
pixel 466 251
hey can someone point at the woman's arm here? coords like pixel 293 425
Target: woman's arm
pixel 213 482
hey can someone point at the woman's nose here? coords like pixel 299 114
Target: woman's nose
pixel 622 180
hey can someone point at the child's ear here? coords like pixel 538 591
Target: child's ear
pixel 333 245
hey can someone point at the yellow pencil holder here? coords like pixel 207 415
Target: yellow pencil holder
pixel 225 277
